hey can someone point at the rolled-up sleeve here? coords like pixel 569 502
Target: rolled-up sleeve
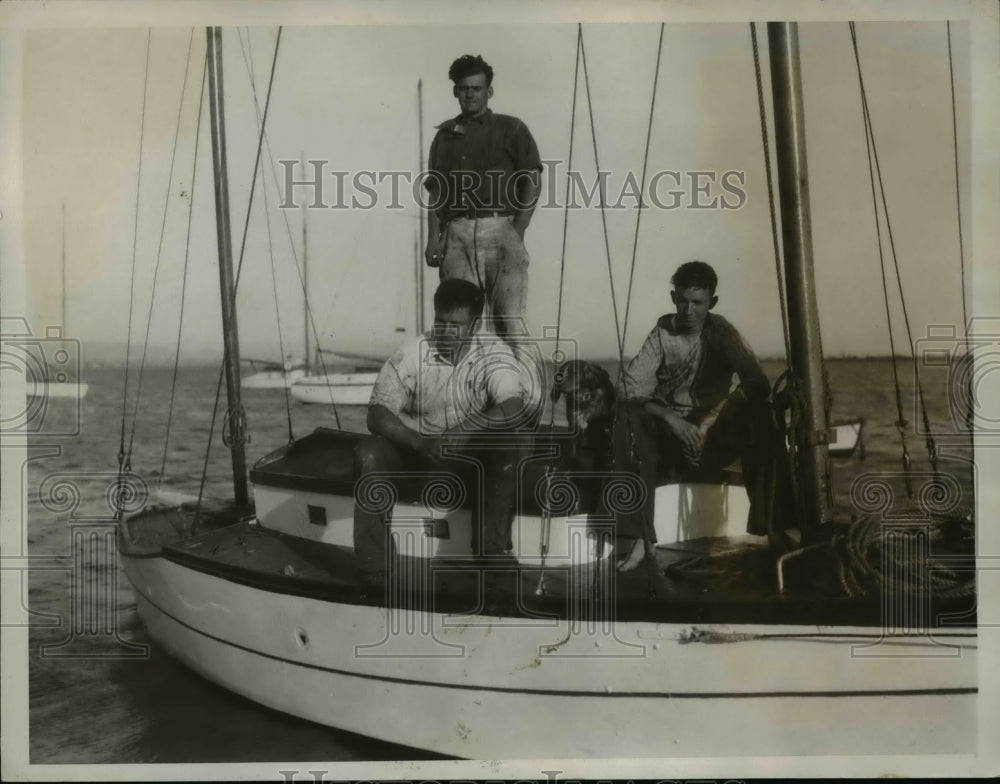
pixel 396 384
pixel 503 381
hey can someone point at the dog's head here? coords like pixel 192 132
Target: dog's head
pixel 590 395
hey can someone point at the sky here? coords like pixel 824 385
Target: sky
pixel 347 95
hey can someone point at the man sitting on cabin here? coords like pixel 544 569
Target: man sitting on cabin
pixel 677 409
pixel 437 394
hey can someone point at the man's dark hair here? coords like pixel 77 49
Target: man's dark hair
pixel 467 65
pixel 456 293
pixel 695 274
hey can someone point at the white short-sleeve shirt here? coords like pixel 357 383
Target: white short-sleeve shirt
pixel 430 394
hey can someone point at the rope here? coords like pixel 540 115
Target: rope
pixel 642 189
pixel 187 255
pixel 124 463
pixel 958 212
pixel 870 133
pixel 870 562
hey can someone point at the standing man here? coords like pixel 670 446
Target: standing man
pixel 483 184
pixel 678 407
pixel 435 397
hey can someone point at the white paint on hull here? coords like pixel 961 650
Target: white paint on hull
pixel 342 389
pixel 474 687
pixel 272 379
pixel 61 390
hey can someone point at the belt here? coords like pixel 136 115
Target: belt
pixel 479 214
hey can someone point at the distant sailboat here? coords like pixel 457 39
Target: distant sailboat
pixel 57 383
pixel 281 375
pixel 354 388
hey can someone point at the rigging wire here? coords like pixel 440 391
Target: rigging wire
pixel 288 229
pixel 870 133
pixel 124 462
pixel 958 212
pixel 270 242
pixel 600 192
pixel 901 422
pixel 569 168
pixel 159 250
pixel 239 269
pixel 642 189
pixel 187 256
pixel 619 331
pixel 546 511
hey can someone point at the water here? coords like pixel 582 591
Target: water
pixel 96 708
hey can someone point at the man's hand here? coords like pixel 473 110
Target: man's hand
pixel 434 252
pixel 691 436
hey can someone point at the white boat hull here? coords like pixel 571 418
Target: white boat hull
pixel 517 688
pixel 846 438
pixel 61 390
pixel 342 389
pixel 272 379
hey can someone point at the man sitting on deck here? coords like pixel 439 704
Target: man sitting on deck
pixel 438 393
pixel 676 406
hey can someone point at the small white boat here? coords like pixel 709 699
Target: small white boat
pixel 342 389
pixel 75 390
pixel 55 383
pixel 847 437
pixel 273 375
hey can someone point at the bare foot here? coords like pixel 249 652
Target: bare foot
pixel 635 556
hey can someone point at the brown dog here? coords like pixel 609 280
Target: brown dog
pixel 590 405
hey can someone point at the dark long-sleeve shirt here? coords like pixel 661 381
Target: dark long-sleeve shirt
pixel 475 164
pixel 693 374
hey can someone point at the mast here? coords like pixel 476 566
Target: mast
pixel 305 277
pixel 235 419
pixel 806 358
pixel 420 218
pixel 63 277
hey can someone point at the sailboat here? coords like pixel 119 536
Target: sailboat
pixel 353 386
pixel 57 385
pixel 726 642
